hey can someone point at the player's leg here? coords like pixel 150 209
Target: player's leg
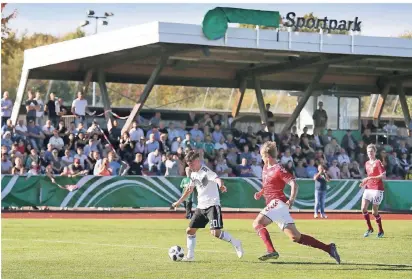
pixel 259 224
pixel 364 207
pixel 375 211
pixel 292 232
pixel 322 203
pixel 197 221
pixel 316 204
pixel 214 214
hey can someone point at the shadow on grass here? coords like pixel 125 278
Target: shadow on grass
pixel 346 266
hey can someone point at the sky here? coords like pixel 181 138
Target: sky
pixel 383 20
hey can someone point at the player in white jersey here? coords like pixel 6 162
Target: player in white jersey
pixel 208 210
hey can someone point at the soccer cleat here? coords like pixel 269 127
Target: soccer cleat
pixel 380 235
pixel 315 216
pixel 269 255
pixel 186 259
pixel 367 233
pixel 237 244
pixel 334 252
pixel 323 216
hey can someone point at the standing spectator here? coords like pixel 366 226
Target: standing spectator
pixel 115 133
pixel 6 108
pixel 321 179
pixel 60 108
pixel 156 119
pixel 244 169
pixel 195 132
pixel 50 108
pixel 320 118
pixel 135 132
pixel 172 168
pixel 40 111
pixel 256 169
pixel 368 138
pixel 349 143
pixel 31 106
pixel 334 171
pixel 154 160
pixel 300 170
pixel 35 135
pixel 79 108
pixel 152 144
pixel 269 114
pixel 136 168
pixel 344 172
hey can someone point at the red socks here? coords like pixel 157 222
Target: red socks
pixel 379 222
pixel 313 242
pixel 368 220
pixel 264 235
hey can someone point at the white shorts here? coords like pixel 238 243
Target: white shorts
pixel 373 196
pixel 278 212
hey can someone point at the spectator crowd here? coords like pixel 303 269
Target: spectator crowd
pixel 42 143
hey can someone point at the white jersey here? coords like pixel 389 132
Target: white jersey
pixel 206 187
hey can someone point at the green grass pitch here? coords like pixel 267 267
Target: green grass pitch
pixel 79 248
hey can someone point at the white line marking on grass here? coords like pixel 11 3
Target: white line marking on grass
pixel 286 255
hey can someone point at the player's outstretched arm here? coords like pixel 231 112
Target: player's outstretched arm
pixel 189 189
pixel 222 187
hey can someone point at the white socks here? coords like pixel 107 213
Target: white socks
pixel 225 236
pixel 191 244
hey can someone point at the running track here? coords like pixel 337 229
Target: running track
pixel 179 215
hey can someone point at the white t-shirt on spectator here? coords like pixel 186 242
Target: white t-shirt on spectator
pixel 284 160
pixel 48 129
pixel 56 142
pixel 219 145
pixel 343 159
pixel 80 106
pixel 67 160
pixel 22 129
pixel 40 112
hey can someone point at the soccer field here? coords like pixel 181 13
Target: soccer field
pixel 83 248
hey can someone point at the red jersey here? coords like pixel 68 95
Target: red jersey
pixel 274 180
pixel 374 169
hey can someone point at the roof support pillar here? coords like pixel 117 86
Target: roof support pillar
pixel 308 92
pixel 24 78
pixel 261 101
pixel 105 97
pixel 240 93
pixel 381 102
pixel 146 91
pixel 404 105
pixel 86 82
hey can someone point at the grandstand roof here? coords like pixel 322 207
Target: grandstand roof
pixel 282 60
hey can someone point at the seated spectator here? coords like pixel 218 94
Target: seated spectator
pixel 21 147
pixel 56 163
pixel 71 144
pixel 221 145
pixel 93 129
pixel 67 159
pixel 354 170
pixel 195 132
pixel 35 135
pixel 90 147
pixel 229 141
pixel 306 148
pixel 343 157
pixel 368 138
pixel 300 170
pixel 94 162
pixel 113 164
pixel 171 164
pixel 21 131
pixel 8 127
pixel 361 152
pixel 331 149
pixel 396 166
pixel 154 160
pixel 298 155
pixel 76 169
pixel 262 133
pixel 172 132
pixel 209 148
pixel 290 168
pixel 163 145
pixel 152 144
pixel 206 121
pixel 18 168
pixel 155 120
pixel 115 132
pixel 344 171
pixel 311 169
pixel 286 158
pixel 349 143
pixel 305 134
pixel 32 158
pixel 404 163
pixel 6 141
pixel 81 156
pixel 181 130
pixel 408 176
pixel 222 169
pixel 244 169
pixel 104 168
pixel 125 153
pixel 6 165
pixel 56 141
pixel 187 142
pixel 14 152
pixel 217 134
pixel 246 154
pixel 140 146
pixel 34 169
pixel 317 139
pixel 81 140
pixel 48 153
pixel 154 131
pixel 256 155
pixel 256 169
pixel 198 144
pixel 401 148
pixel 334 171
pixel 71 129
pixel 135 132
pixel 136 168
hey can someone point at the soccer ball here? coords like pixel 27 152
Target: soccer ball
pixel 176 253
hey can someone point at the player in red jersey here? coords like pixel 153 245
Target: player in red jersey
pixel 275 177
pixel 373 189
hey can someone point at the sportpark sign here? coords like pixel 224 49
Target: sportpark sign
pixel 215 21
